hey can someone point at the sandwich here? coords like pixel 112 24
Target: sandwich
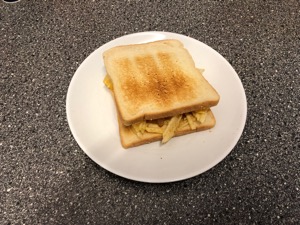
pixel 158 92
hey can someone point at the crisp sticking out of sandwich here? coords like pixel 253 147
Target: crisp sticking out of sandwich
pixel 158 91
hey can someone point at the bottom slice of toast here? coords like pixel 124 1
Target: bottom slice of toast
pixel 130 139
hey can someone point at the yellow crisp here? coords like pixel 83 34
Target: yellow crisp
pixel 154 128
pixel 171 128
pixel 200 115
pixel 108 83
pixel 191 120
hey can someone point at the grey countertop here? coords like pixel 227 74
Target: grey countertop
pixel 45 178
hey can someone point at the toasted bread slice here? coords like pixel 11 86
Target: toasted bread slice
pixel 130 139
pixel 156 80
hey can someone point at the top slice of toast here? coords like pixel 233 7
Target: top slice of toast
pixel 156 80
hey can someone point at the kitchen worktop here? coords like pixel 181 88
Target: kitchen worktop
pixel 46 178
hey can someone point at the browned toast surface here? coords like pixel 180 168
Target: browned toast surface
pixel 156 80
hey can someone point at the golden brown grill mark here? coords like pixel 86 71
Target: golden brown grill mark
pixel 148 80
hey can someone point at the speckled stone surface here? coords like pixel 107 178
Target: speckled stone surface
pixel 45 178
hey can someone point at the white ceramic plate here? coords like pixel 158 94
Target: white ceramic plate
pixel 92 118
